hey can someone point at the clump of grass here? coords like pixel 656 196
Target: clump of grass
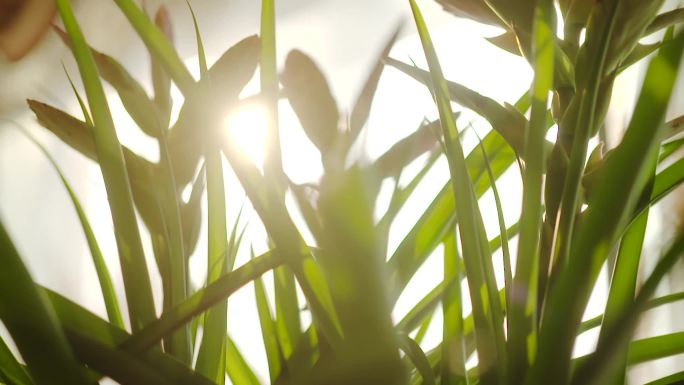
pixel 522 333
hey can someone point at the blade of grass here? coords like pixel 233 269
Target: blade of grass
pixel 422 330
pixel 77 319
pixel 133 266
pixel 268 76
pixel 200 301
pixel 623 285
pixel 103 276
pixel 269 205
pixel 616 194
pixel 417 356
pixel 116 364
pixel 158 45
pixel 453 344
pixel 362 105
pixel 665 20
pixel 491 349
pixel 507 122
pixel 522 314
pixel 672 379
pixel 287 322
pixel 11 371
pixel 592 370
pixel 237 368
pixel 32 323
pixel 161 81
pixel 430 229
pixel 503 232
pixel 212 350
pixel 133 96
pixel 274 354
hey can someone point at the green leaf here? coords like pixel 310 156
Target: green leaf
pixel 200 301
pixel 103 276
pixel 614 199
pixel 523 319
pixel 191 214
pixel 158 45
pixel 417 356
pixel 161 81
pixel 431 227
pixel 288 324
pixel 274 354
pixel 237 368
pixel 227 77
pixel 76 319
pixel 305 86
pixel 488 316
pixel 362 105
pixel 268 76
pixel 11 371
pixel 119 365
pixel 477 10
pixel 672 379
pixel 133 96
pixel 453 344
pixel 351 258
pixel 132 257
pixel 32 323
pixel 665 20
pixel 503 232
pixel 211 358
pixel 509 123
pixel 653 348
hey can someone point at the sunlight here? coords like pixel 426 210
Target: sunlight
pixel 247 127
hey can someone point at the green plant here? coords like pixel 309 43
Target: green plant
pixel 523 332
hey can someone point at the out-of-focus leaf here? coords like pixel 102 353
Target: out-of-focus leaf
pixel 32 323
pixel 507 41
pixel 453 369
pixel 133 96
pixel 305 86
pixel 158 45
pixel 478 264
pixel 161 81
pixel 200 301
pixel 131 254
pixel 77 319
pixel 287 321
pixel 191 214
pixel 431 227
pixel 274 354
pixel 665 20
pixel 226 78
pixel 509 123
pixel 237 368
pixel 119 365
pixel 406 150
pixel 11 370
pixel 417 356
pixel 624 177
pixel 105 280
pixel 672 379
pixel 477 10
pixel 362 106
pixel 351 259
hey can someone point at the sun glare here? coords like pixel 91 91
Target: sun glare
pixel 247 127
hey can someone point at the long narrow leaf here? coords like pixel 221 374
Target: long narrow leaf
pixel 133 266
pixel 32 323
pixel 491 350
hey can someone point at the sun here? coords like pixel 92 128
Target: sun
pixel 247 127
